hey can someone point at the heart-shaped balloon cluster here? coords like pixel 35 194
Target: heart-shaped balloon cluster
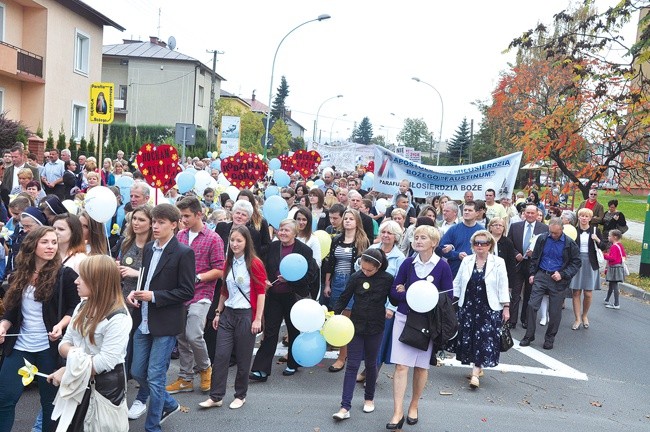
pixel 243 170
pixel 306 162
pixel 159 165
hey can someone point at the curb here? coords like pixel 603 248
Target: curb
pixel 634 291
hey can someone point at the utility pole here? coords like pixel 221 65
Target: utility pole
pixel 211 139
pixel 471 139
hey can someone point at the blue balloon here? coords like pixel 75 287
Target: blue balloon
pixel 275 164
pixel 209 154
pixel 275 210
pixel 281 178
pixel 293 267
pixel 368 181
pixel 185 182
pixel 125 183
pixel 216 164
pixel 309 349
pixel 319 183
pixel 191 169
pixel 271 191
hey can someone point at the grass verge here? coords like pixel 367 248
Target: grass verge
pixel 638 281
pixel 631 247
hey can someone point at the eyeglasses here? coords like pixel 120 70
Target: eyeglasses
pixel 481 243
pixel 286 197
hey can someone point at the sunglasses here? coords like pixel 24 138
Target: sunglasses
pixel 481 243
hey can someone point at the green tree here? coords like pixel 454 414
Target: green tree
pixel 415 133
pixel 21 135
pixel 60 143
pixel 91 145
pixel 297 143
pixel 458 149
pixel 378 140
pixel 281 138
pixel 363 133
pixel 39 131
pixel 72 145
pixel 9 131
pixel 278 107
pixel 252 131
pixel 83 147
pixel 50 139
pixel 483 145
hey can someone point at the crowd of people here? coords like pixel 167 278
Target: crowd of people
pixel 199 278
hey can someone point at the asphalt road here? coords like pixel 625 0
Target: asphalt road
pixel 600 384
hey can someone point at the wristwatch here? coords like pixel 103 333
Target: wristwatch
pixel 197 278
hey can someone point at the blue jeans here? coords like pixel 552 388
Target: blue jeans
pixel 11 386
pixel 151 357
pixel 337 285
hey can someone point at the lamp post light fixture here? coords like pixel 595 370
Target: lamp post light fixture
pixel 268 116
pixel 442 114
pixel 332 127
pixel 318 113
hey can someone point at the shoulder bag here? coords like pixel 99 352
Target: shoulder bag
pixel 417 330
pixel 602 262
pixel 626 270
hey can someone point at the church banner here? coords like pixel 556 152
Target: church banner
pixel 499 174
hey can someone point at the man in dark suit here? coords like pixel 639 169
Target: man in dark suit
pixel 356 201
pixel 19 161
pixel 554 262
pixel 159 314
pixel 521 234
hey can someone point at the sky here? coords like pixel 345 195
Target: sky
pixel 368 51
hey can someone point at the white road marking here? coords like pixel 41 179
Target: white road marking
pixel 553 367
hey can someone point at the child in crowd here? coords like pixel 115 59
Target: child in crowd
pixel 615 271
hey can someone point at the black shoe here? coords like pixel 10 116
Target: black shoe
pixel 289 371
pixel 332 368
pixel 412 420
pixel 547 345
pixel 175 353
pixel 258 376
pixel 524 325
pixel 394 426
pixel 167 414
pixel 526 341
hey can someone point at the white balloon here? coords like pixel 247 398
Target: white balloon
pixel 100 203
pixel 232 192
pixel 71 206
pixel 307 315
pixel 222 180
pixel 422 296
pixel 380 205
pixel 202 182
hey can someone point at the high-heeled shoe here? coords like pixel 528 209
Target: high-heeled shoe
pixel 394 426
pixel 412 420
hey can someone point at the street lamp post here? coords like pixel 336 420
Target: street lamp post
pixel 268 116
pixel 332 127
pixel 442 114
pixel 318 113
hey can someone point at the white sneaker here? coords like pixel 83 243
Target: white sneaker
pixel 137 409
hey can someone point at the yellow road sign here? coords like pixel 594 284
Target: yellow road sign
pixel 102 97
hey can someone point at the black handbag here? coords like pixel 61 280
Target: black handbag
pixel 506 339
pixel 417 330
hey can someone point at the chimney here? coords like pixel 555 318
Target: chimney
pixel 287 113
pixel 253 98
pixel 154 40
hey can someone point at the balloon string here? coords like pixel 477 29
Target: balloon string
pixel 446 291
pixel 272 283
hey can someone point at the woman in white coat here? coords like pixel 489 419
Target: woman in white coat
pixel 481 286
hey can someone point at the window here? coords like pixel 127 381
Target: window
pixel 81 53
pixel 201 95
pixel 2 22
pixel 123 91
pixel 2 100
pixel 78 121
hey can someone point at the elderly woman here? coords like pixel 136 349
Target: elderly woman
pixel 427 211
pixel 588 277
pixel 242 212
pixel 389 237
pixel 425 265
pixel 614 219
pixel 481 286
pixel 280 298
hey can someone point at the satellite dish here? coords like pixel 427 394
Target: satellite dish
pixel 171 43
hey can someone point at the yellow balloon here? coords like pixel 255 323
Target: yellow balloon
pixel 325 241
pixel 570 231
pixel 338 330
pixel 310 184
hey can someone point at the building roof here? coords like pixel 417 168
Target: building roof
pixel 151 50
pixel 257 106
pixel 90 14
pixel 228 95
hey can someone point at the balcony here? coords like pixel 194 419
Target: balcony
pixel 21 64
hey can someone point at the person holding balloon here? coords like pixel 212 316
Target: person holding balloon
pixel 305 233
pixel 370 287
pixel 344 251
pixel 425 265
pixel 291 265
pixel 389 237
pixel 238 317
pixel 481 286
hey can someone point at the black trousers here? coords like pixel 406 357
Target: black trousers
pixel 276 308
pixel 556 292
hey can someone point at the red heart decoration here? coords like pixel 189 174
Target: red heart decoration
pixel 287 163
pixel 159 165
pixel 243 170
pixel 306 162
